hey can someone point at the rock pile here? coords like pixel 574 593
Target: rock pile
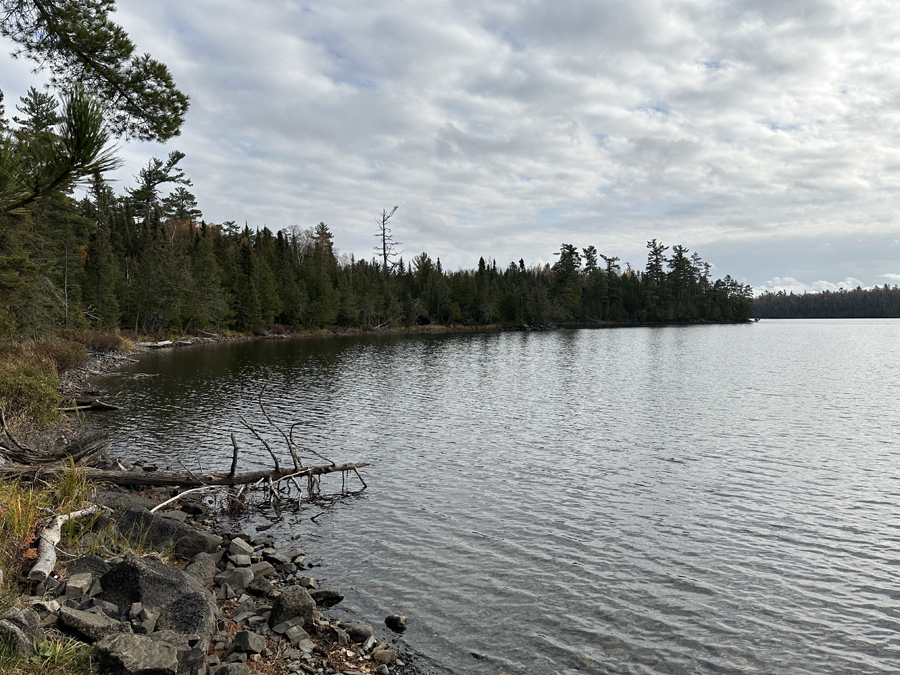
pixel 240 606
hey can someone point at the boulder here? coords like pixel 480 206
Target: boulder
pixel 138 523
pixel 203 568
pixel 20 629
pixel 94 564
pixel 196 541
pixel 161 533
pixel 136 655
pixel 294 601
pixel 93 626
pixel 184 606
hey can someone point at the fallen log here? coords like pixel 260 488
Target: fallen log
pixel 89 404
pixel 160 478
pixel 50 537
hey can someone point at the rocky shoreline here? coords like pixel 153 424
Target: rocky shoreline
pixel 231 604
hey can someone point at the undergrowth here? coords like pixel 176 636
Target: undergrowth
pixel 54 656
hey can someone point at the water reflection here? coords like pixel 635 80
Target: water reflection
pixel 676 500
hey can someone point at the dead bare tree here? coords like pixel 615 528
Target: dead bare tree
pixel 388 247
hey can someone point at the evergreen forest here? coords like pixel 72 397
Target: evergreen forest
pixel 858 303
pixel 145 261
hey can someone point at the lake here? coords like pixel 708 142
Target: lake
pixel 697 499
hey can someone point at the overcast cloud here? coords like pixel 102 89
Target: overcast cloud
pixel 762 135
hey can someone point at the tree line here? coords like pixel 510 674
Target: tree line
pixel 146 261
pixel 858 303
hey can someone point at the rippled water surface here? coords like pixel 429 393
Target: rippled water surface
pixel 708 499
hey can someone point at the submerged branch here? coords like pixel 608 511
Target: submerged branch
pixel 177 479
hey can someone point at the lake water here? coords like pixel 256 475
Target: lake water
pixel 706 499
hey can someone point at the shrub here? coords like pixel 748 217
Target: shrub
pixel 105 342
pixel 29 389
pixel 66 355
pixel 75 336
pixel 28 384
pixel 96 341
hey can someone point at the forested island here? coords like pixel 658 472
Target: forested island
pixel 880 302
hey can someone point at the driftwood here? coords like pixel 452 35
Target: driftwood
pixel 50 537
pixel 160 478
pixel 85 448
pixel 88 404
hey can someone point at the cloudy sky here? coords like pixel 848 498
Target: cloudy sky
pixel 761 134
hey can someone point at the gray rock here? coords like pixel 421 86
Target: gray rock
pixel 275 557
pixel 79 584
pixel 295 635
pixel 159 533
pixel 94 564
pixel 96 589
pixel 180 516
pixel 45 605
pixel 230 669
pixel 225 592
pixel 97 605
pixel 261 587
pixel 385 656
pixel 20 628
pixel 193 507
pixel 143 619
pixel 308 583
pixel 203 568
pixel 240 560
pixel 191 658
pixel 282 628
pixel 396 622
pixel 237 578
pixel 359 632
pixel 19 640
pixel 184 605
pixel 92 626
pixel 52 586
pixel 326 597
pixel 245 641
pixel 240 547
pixel 136 655
pixel 337 636
pixel 262 569
pixel 383 670
pixel 197 541
pixel 294 601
